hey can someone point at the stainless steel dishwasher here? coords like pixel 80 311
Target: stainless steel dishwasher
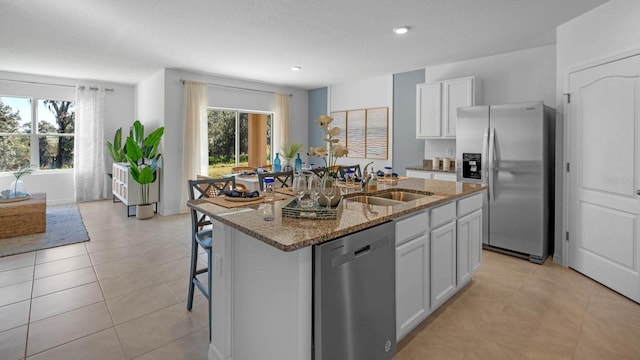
pixel 354 296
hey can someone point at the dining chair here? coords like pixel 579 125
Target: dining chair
pixel 342 169
pixel 320 171
pixel 202 235
pixel 241 169
pixel 282 179
pixel 213 191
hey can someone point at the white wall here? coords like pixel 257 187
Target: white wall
pixel 58 184
pixel 519 76
pixel 218 97
pixel 362 94
pixel 603 33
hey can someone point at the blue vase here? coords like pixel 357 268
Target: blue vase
pixel 276 163
pixel 298 165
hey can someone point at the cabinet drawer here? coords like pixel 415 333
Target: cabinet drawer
pixel 469 204
pixel 410 227
pixel 443 214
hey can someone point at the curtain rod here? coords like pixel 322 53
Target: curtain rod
pixel 82 87
pixel 237 88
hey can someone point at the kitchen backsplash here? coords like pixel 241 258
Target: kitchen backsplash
pixel 440 148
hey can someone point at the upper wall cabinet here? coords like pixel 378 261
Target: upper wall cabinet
pixel 437 105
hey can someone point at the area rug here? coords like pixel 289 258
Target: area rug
pixel 64 227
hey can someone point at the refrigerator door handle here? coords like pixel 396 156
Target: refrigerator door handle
pixel 492 153
pixel 485 156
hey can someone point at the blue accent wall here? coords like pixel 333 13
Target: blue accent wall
pixel 317 106
pixel 407 150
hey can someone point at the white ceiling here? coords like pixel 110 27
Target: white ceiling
pixel 334 41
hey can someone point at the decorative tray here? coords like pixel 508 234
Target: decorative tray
pixel 293 210
pixel 243 199
pixel 15 199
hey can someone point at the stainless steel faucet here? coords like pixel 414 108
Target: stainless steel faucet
pixel 365 182
pixel 365 172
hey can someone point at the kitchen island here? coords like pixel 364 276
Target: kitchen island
pixel 262 272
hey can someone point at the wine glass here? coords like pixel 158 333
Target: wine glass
pixel 328 190
pixel 299 187
pixel 314 188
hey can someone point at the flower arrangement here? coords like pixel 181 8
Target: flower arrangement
pixel 335 150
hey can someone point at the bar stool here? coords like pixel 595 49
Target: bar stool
pixel 199 189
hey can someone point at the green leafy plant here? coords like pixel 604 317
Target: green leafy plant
pixel 290 150
pixel 116 149
pixel 142 154
pixel 22 171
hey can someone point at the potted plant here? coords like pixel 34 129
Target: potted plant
pixel 117 149
pixel 289 151
pixel 17 189
pixel 142 154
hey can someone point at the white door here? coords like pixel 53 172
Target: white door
pixel 604 148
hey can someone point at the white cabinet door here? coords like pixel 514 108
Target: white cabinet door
pixel 428 110
pixel 443 263
pixel 437 106
pixel 469 238
pixel 419 174
pixel 444 176
pixel 412 284
pixel 456 93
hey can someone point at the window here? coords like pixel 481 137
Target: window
pixel 49 146
pixel 238 138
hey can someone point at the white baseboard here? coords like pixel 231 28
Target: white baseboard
pixel 557 259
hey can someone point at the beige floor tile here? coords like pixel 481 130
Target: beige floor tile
pixel 116 254
pixel 121 267
pixel 14 315
pixel 609 305
pixel 126 283
pixel 477 305
pixel 549 304
pixel 157 329
pixel 65 300
pixel 63 281
pixel 61 266
pixel 141 302
pixel 588 350
pixel 16 276
pixel 109 244
pixel 495 273
pixel 14 293
pixel 17 261
pixel 200 309
pixel 610 335
pixel 564 276
pixel 158 256
pixel 194 346
pixel 61 252
pixel 60 329
pixel 12 343
pixel 103 345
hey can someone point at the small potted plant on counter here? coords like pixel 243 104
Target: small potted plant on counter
pixel 289 151
pixel 142 154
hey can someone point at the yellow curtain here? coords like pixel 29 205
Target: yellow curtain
pixel 194 128
pixel 281 110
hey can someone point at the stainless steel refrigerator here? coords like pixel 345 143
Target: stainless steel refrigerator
pixel 510 148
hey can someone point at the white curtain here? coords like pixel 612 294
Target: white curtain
pixel 281 109
pixel 194 135
pixel 89 172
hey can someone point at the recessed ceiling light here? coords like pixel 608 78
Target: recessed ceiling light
pixel 401 30
pixel 295 68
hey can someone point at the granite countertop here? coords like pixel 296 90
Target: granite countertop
pixel 290 234
pixel 430 168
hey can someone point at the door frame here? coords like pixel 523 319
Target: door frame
pixel 566 129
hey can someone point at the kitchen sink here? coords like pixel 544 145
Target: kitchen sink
pixel 403 196
pixel 374 200
pixel 391 197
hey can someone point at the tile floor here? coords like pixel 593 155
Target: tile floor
pixel 123 296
